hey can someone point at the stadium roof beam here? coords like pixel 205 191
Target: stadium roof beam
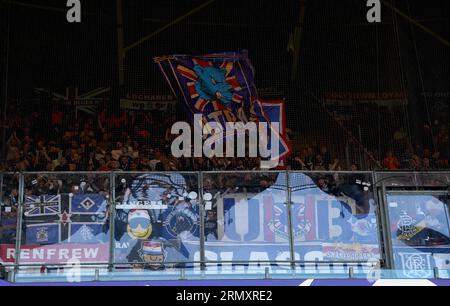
pixel 35 6
pixel 417 24
pixel 218 24
pixel 43 7
pixel 122 51
pixel 181 18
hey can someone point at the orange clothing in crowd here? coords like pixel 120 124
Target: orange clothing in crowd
pixel 391 163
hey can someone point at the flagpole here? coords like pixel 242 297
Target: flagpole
pixel 297 39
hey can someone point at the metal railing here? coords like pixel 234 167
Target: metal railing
pixel 288 187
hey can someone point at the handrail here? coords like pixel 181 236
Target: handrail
pixel 244 262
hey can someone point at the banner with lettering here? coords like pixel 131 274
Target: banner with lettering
pixel 221 88
pixel 155 218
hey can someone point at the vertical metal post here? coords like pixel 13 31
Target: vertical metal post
pixel 380 227
pixel 267 273
pixel 182 274
pixel 360 153
pixel 291 232
pixel 97 275
pixel 112 213
pixel 347 156
pixel 416 180
pixel 1 195
pixel 436 272
pixel 19 225
pixel 387 242
pixel 202 220
pixel 297 40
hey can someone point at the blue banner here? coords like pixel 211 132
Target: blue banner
pixel 87 233
pixel 420 233
pixel 66 218
pixel 160 229
pixel 88 203
pixel 43 234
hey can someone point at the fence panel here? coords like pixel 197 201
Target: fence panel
pixel 334 219
pixel 246 221
pixel 157 221
pixel 230 221
pixel 9 199
pixel 65 221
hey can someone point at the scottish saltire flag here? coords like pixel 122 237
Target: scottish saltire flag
pixel 79 218
pixel 44 205
pixel 220 86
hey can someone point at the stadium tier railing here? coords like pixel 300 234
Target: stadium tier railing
pixel 223 224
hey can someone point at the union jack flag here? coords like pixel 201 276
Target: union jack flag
pixel 44 205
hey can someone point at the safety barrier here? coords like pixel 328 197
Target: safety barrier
pixel 224 224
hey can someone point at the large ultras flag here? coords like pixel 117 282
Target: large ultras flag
pixel 218 86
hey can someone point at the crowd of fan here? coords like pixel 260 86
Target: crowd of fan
pixel 129 141
pixel 400 157
pixel 433 154
pixel 140 141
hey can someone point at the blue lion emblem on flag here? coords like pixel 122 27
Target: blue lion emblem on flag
pixel 208 83
pixel 211 84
